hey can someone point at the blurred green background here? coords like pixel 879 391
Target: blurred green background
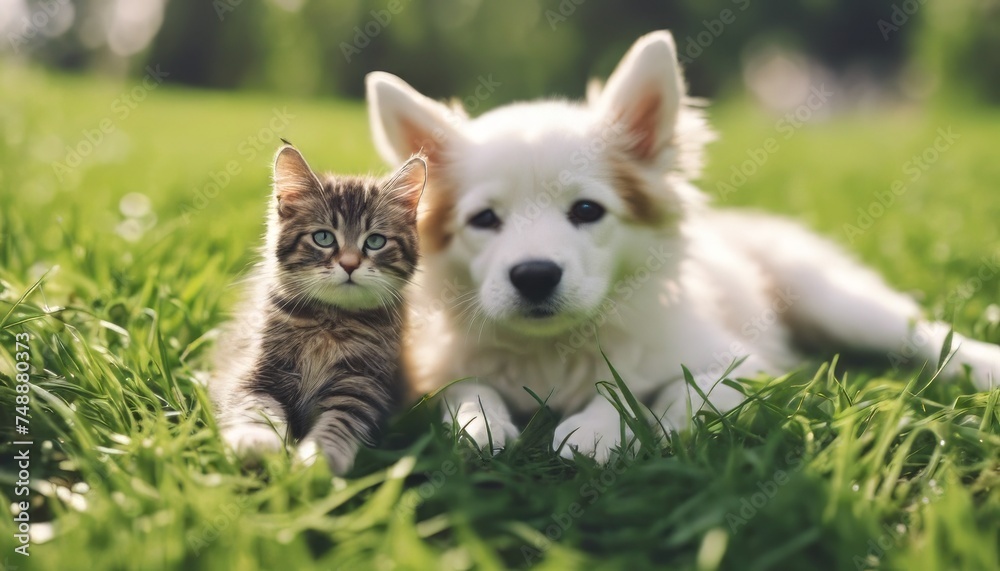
pixel 301 47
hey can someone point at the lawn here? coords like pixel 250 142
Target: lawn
pixel 118 263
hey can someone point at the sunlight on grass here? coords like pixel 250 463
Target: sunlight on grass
pixel 846 466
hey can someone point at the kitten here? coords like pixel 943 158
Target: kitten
pixel 315 352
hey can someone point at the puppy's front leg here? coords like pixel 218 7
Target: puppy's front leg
pixel 480 411
pixel 593 431
pixel 670 406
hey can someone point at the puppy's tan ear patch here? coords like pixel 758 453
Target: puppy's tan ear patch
pixel 293 179
pixel 634 191
pixel 642 122
pixel 436 215
pixel 428 144
pixel 404 122
pixel 437 205
pixel 644 94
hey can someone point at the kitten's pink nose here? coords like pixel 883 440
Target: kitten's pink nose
pixel 350 262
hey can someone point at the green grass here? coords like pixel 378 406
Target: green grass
pixel 127 471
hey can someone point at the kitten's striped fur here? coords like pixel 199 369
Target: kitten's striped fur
pixel 311 356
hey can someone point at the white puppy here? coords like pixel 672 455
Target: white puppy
pixel 554 229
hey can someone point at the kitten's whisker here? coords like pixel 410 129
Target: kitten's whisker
pixel 301 294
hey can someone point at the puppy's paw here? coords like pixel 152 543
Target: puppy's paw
pixel 983 360
pixel 482 428
pixel 252 441
pixel 590 435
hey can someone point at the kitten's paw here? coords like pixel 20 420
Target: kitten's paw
pixel 252 440
pixel 338 453
pixel 482 428
pixel 307 452
pixel 590 435
pixel 340 458
pixel 982 358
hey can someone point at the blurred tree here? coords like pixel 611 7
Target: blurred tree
pixel 529 47
pixel 206 44
pixel 960 44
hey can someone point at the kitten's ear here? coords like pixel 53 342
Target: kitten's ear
pixel 644 95
pixel 404 122
pixel 293 178
pixel 407 184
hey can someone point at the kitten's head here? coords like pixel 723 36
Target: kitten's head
pixel 345 241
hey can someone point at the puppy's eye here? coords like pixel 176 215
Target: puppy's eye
pixel 485 219
pixel 375 242
pixel 324 238
pixel 584 211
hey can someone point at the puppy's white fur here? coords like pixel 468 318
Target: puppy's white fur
pixel 660 281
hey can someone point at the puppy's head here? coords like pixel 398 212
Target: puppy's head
pixel 545 207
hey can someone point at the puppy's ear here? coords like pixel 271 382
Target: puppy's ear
pixel 293 179
pixel 644 96
pixel 407 184
pixel 404 122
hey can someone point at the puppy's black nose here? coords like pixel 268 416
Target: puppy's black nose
pixel 536 280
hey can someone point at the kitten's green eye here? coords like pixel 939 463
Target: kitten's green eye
pixel 375 242
pixel 324 238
